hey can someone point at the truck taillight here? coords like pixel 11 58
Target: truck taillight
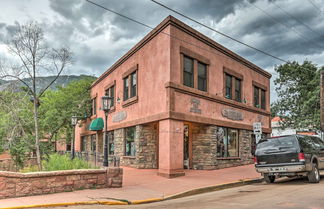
pixel 255 160
pixel 301 156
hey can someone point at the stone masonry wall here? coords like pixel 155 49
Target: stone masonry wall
pixel 25 184
pixel 145 145
pixel 205 149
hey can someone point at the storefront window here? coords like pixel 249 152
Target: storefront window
pixel 83 143
pixel 111 142
pixel 130 141
pixel 93 143
pixel 227 142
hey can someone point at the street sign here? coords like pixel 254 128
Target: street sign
pixel 257 128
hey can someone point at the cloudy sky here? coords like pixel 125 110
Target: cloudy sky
pixel 289 29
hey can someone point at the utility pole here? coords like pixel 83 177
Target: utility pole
pixel 322 103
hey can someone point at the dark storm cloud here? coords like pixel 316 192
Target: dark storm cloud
pixel 98 37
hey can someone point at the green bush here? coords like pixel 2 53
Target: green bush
pixel 57 162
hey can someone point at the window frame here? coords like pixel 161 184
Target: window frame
pixel 205 79
pixel 196 58
pixel 126 142
pixel 111 151
pixel 129 75
pixel 191 74
pixel 110 90
pixel 259 102
pixel 234 76
pixel 225 146
pixel 83 145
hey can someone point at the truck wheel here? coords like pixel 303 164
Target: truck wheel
pixel 269 178
pixel 314 175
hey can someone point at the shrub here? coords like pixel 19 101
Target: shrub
pixel 57 162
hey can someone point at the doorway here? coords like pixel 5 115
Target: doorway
pixel 186 147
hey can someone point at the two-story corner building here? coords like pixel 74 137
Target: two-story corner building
pixel 180 101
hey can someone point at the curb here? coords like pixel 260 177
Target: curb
pixel 151 200
pixel 69 204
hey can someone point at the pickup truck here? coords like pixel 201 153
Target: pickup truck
pixel 291 155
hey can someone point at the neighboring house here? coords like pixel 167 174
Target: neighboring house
pixel 180 101
pixel 278 131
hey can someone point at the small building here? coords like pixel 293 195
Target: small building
pixel 180 101
pixel 277 129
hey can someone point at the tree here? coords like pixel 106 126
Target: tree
pixel 58 106
pixel 35 59
pixel 298 89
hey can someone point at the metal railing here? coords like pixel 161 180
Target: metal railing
pixel 95 158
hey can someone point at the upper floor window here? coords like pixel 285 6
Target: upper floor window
pixel 233 87
pixel 188 72
pixel 126 88
pixel 130 85
pixel 259 97
pixel 202 76
pixel 94 106
pixel 133 79
pixel 111 93
pixel 194 69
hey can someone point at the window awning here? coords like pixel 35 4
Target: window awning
pixel 96 125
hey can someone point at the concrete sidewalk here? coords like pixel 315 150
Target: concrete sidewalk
pixel 142 184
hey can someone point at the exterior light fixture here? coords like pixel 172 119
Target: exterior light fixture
pixel 106 105
pixel 74 121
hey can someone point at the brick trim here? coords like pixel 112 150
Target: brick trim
pixel 259 85
pixel 233 73
pixel 194 55
pixel 215 98
pixel 185 28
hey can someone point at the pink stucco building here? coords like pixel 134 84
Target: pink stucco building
pixel 181 101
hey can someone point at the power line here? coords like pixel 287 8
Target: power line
pixel 287 26
pixel 172 36
pixel 185 16
pixel 223 34
pixel 298 20
pixel 315 6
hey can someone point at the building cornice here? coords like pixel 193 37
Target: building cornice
pixel 187 29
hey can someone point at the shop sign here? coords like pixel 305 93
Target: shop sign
pixel 232 114
pixel 195 105
pixel 120 116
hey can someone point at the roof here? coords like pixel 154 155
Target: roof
pixel 170 20
pixel 276 119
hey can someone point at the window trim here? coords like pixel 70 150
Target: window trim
pixel 127 74
pixel 94 105
pixel 235 76
pixel 237 145
pixel 107 87
pixel 260 88
pixel 197 58
pixel 125 141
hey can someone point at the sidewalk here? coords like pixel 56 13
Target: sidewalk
pixel 141 184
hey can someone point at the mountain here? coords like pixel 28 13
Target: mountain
pixel 42 82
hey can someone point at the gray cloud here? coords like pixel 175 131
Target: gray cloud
pixel 98 38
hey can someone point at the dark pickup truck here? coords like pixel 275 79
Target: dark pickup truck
pixel 292 155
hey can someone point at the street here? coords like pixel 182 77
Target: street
pixel 286 193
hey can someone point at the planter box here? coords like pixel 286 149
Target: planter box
pixel 13 184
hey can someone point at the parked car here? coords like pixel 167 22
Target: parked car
pixel 292 155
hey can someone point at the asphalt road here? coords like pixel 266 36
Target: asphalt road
pixel 286 193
